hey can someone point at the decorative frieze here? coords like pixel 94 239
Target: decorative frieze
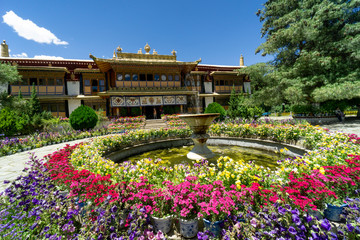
pixel 121 101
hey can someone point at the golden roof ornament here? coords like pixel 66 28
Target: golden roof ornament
pixel 114 54
pixel 139 51
pixel 241 61
pixel 173 52
pixel 155 52
pixel 147 48
pixel 119 49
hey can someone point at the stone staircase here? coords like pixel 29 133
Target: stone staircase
pixel 154 124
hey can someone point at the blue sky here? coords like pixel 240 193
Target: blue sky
pixel 215 31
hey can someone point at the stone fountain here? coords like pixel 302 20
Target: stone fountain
pixel 199 123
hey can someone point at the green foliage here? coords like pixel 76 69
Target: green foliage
pixel 135 111
pixel 216 108
pixel 316 48
pixel 242 107
pixel 7 122
pixel 123 112
pixel 83 117
pixel 35 107
pixel 171 109
pixel 8 73
pixel 302 108
pixel 263 84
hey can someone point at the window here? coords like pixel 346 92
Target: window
pixel 94 85
pixel 24 81
pixel 59 82
pixel 177 77
pixel 226 83
pixel 50 82
pixel 127 77
pixel 102 85
pixel 135 77
pixel 87 82
pixel 119 77
pixel 170 77
pixel 42 82
pixel 33 81
pixel 149 77
pixel 222 82
pixel 61 107
pixel 142 77
pixel 53 108
pixel 157 77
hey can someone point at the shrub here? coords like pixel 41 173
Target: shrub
pixel 7 122
pixel 135 111
pixel 216 108
pixel 83 117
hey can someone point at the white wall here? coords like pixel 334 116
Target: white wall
pixel 3 87
pixel 208 87
pixel 247 87
pixel 73 104
pixel 208 100
pixel 73 88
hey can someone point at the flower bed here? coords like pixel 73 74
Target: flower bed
pixel 126 123
pixel 254 202
pixel 18 144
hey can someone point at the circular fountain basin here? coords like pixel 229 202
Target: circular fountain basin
pixel 178 155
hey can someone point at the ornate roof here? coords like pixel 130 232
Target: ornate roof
pixel 141 59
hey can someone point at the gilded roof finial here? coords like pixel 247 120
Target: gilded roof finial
pixel 173 52
pixel 139 51
pixel 241 61
pixel 114 54
pixel 147 48
pixel 119 49
pixel 155 52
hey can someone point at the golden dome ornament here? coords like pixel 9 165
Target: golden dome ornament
pixel 147 48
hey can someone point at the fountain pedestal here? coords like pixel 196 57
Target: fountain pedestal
pixel 199 123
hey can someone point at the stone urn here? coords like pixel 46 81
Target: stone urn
pixel 199 123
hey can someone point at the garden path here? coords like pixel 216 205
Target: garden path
pixel 11 166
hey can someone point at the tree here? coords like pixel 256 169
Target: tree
pixel 35 107
pixel 266 90
pixel 241 106
pixel 8 74
pixel 316 45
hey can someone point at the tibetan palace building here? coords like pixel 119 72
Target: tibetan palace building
pixel 128 84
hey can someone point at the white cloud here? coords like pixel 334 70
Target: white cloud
pixel 48 57
pixel 21 55
pixel 30 31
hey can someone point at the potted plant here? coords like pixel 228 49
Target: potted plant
pixel 185 197
pixel 161 213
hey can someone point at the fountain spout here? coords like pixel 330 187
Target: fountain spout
pixel 199 123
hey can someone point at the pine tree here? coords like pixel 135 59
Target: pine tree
pixel 316 45
pixel 34 102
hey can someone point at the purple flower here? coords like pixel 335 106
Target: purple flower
pixel 33 226
pixel 295 211
pixel 350 227
pixel 281 210
pixel 315 228
pixel 308 218
pixel 325 224
pixel 253 222
pixel 113 209
pixel 292 230
pixel 296 219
